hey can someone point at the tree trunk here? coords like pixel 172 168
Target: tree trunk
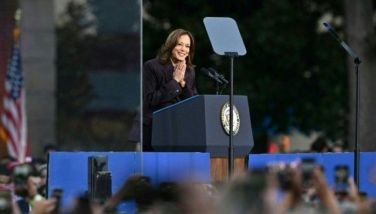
pixel 361 38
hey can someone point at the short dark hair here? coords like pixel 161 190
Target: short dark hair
pixel 319 145
pixel 49 147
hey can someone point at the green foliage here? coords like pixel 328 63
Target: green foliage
pixel 293 75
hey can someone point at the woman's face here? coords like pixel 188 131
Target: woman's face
pixel 181 49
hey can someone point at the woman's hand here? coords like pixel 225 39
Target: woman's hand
pixel 179 73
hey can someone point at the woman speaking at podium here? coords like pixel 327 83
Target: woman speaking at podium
pixel 168 78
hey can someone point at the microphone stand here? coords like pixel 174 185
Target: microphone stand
pixel 357 105
pixel 217 88
pixel 357 61
pixel 220 77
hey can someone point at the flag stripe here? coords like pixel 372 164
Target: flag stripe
pixel 11 145
pixel 11 109
pixel 14 115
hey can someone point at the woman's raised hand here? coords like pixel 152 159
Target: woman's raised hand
pixel 179 73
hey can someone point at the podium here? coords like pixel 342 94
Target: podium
pixel 194 125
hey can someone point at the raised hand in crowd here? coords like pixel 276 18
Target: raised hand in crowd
pixel 44 206
pixel 324 193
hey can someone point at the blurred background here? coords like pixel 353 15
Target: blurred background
pixel 81 61
pixel 81 65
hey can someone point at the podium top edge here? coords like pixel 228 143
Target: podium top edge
pixel 192 98
pixel 178 103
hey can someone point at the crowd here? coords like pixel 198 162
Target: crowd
pixel 278 188
pixel 297 187
pixel 23 184
pixel 320 144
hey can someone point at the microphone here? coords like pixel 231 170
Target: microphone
pixel 209 74
pixel 341 42
pixel 332 31
pixel 220 76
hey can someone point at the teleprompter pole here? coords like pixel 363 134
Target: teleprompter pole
pixel 232 55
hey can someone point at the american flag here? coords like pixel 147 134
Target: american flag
pixel 14 115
